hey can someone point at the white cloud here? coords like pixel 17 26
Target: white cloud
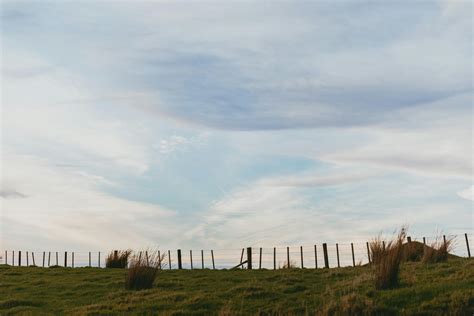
pixel 63 208
pixel 467 194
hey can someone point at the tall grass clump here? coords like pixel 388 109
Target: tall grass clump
pixel 438 250
pixel 143 269
pixel 118 259
pixel 387 259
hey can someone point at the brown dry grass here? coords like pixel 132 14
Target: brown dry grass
pixel 438 250
pixel 143 270
pixel 118 259
pixel 386 260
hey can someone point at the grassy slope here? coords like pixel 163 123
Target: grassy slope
pixel 440 288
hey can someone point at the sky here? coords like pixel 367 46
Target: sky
pixel 230 124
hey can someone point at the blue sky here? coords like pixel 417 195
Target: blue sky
pixel 191 124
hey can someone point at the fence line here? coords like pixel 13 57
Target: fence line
pixel 321 255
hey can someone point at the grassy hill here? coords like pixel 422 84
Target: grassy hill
pixel 444 288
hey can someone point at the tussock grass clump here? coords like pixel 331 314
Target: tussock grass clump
pixel 118 259
pixel 286 265
pixel 386 260
pixel 438 250
pixel 143 270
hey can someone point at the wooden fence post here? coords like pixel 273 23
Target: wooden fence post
pixel 44 253
pixel 72 259
pixel 274 258
pixel 260 259
pixel 409 239
pixel 383 245
pixel 249 258
pixel 49 258
pixel 424 241
pixel 325 253
pixel 301 251
pixel 90 259
pixel 169 259
pixel 287 257
pixel 212 256
pixel 315 257
pixel 444 240
pixel 65 259
pixel 368 251
pixel 159 259
pixel 337 254
pixel 19 258
pixel 191 258
pixel 6 257
pixel 353 257
pixel 242 258
pixel 27 259
pixel 57 258
pixel 180 265
pixel 13 257
pixel 467 245
pixel 202 259
pixel 33 257
pixel 98 259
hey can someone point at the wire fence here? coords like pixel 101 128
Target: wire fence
pixel 302 256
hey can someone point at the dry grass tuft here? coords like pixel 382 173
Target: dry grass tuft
pixel 118 259
pixel 143 270
pixel 285 265
pixel 386 260
pixel 438 250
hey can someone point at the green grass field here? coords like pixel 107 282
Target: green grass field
pixel 445 288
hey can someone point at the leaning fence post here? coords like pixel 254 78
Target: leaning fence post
pixel 33 257
pixel 202 259
pixel 212 256
pixel 19 258
pixel 325 253
pixel 315 257
pixel 242 257
pixel 191 258
pixel 249 258
pixel 467 245
pixel 274 258
pixel 337 254
pixel 287 257
pixel 65 259
pixel 353 257
pixel 368 251
pixel 301 251
pixel 260 259
pixel 180 266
